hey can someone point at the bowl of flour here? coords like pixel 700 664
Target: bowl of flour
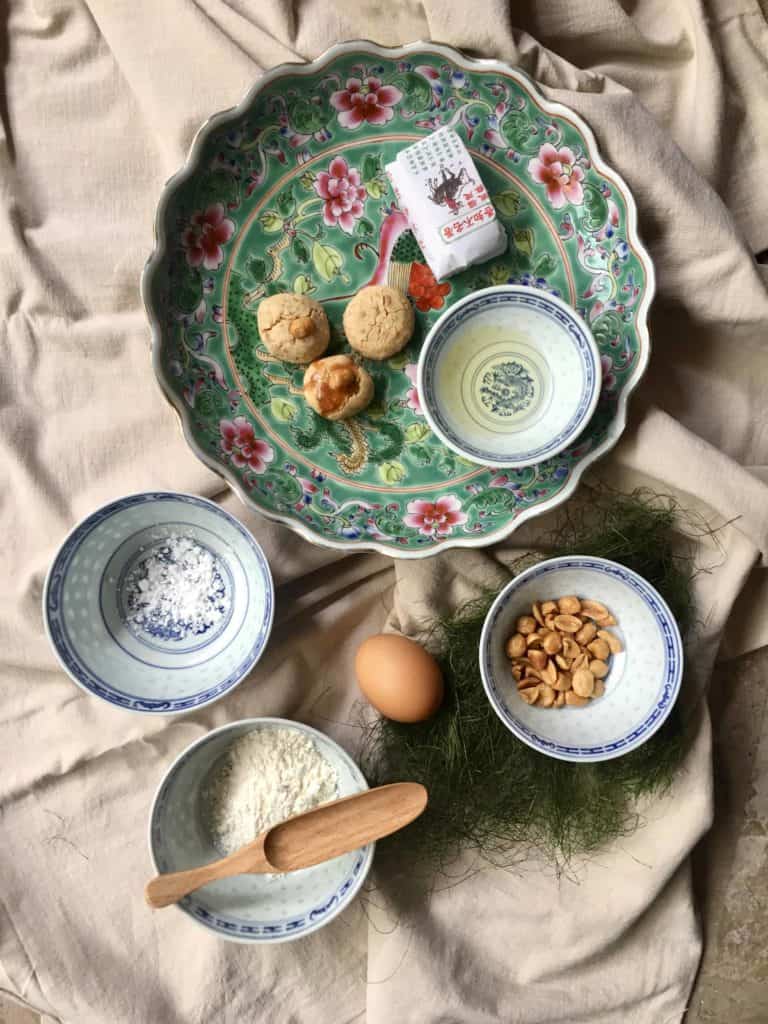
pixel 228 787
pixel 159 602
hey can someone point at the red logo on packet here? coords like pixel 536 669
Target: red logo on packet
pixel 454 229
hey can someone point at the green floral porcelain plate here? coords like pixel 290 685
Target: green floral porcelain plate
pixel 288 191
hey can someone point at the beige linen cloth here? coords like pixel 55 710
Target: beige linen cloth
pixel 99 103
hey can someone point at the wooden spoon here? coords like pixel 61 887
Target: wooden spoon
pixel 320 834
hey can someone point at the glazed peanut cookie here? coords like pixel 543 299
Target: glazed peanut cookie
pixel 293 327
pixel 337 388
pixel 378 322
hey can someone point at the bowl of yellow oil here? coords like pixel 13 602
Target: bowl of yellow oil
pixel 509 376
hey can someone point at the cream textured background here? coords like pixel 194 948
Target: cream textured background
pixel 100 102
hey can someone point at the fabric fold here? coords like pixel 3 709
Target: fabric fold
pixel 102 100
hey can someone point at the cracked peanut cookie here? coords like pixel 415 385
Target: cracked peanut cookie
pixel 378 322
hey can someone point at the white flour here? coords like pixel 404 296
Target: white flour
pixel 177 591
pixel 266 776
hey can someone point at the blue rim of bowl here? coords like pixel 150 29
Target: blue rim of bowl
pixel 70 661
pixel 510 295
pixel 669 687
pixel 297 926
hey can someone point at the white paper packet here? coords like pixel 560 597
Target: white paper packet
pixel 441 193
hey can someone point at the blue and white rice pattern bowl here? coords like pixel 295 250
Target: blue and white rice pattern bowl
pixel 523 392
pixel 643 681
pixel 147 665
pixel 251 908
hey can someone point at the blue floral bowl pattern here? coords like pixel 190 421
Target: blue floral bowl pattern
pixel 141 662
pixel 509 376
pixel 251 908
pixel 641 687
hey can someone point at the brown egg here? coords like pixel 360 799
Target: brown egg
pixel 400 678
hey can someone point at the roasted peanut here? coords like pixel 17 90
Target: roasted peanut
pixel 573 699
pixel 552 643
pixel 549 608
pixel 549 674
pixel 567 623
pixel 599 689
pixel 571 649
pixel 587 632
pixel 531 695
pixel 569 605
pixel 538 659
pixel 594 610
pixel 612 640
pixel 599 669
pixel 559 700
pixel 537 613
pixel 516 645
pixel 526 624
pixel 302 326
pixel 563 681
pixel 600 649
pixel 546 696
pixel 583 682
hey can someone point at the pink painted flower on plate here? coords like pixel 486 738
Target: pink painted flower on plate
pixel 609 377
pixel 412 399
pixel 435 519
pixel 203 239
pixel 239 441
pixel 557 169
pixel 343 194
pixel 365 101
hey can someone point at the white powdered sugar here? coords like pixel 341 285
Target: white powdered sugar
pixel 266 776
pixel 177 591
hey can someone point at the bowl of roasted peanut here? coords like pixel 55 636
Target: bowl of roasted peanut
pixel 581 658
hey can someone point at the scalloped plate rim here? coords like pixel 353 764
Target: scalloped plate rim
pixel 451 53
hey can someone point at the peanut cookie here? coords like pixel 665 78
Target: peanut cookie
pixel 378 322
pixel 337 388
pixel 293 327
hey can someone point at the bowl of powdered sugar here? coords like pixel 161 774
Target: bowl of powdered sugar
pixel 159 602
pixel 228 787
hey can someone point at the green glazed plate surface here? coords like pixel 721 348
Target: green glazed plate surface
pixel 287 191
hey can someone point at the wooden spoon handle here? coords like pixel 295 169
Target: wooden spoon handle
pixel 163 890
